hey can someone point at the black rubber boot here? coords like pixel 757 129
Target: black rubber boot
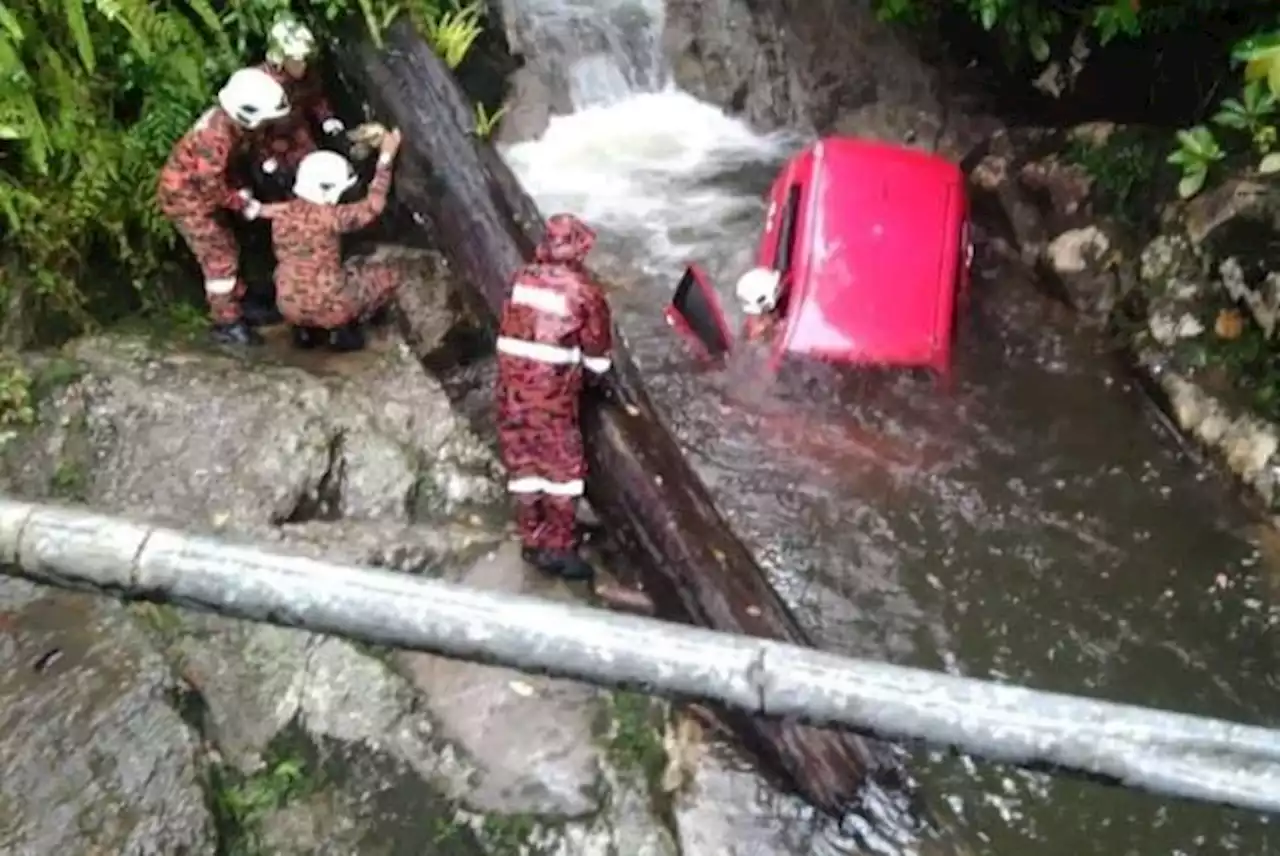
pixel 306 338
pixel 261 314
pixel 236 333
pixel 349 337
pixel 566 564
pixel 534 557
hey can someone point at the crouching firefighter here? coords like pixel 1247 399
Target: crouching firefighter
pixel 325 303
pixel 194 189
pixel 556 325
pixel 291 47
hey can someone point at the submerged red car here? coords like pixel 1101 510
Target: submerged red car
pixel 864 260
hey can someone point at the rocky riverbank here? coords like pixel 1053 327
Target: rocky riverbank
pixel 1188 289
pixel 147 729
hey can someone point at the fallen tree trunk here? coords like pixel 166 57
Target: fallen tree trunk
pixel 694 567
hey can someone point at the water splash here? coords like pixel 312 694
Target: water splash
pixel 661 171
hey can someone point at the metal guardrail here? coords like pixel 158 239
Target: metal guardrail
pixel 1166 753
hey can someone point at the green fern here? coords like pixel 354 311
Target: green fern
pixel 96 94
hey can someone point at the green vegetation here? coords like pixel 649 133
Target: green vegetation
pixel 17 399
pixel 241 803
pixel 1248 122
pixel 632 736
pixel 1030 30
pixel 24 385
pixel 1122 167
pixel 493 834
pixel 1242 131
pixel 96 94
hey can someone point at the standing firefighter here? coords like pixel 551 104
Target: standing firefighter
pixel 325 303
pixel 556 323
pixel 290 49
pixel 194 188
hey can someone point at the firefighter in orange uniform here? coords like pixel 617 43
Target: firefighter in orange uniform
pixel 325 303
pixel 556 334
pixel 291 47
pixel 759 292
pixel 194 190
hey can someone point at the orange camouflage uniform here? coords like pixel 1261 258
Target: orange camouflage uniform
pixel 759 328
pixel 312 288
pixel 193 188
pixel 290 139
pixel 556 322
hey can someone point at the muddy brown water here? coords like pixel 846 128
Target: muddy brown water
pixel 1034 524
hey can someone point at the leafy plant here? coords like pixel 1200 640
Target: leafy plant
pixel 1261 55
pixel 486 121
pixel 17 404
pixel 1123 169
pixel 1252 113
pixel 453 32
pixel 1197 151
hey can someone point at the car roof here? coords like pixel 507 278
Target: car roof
pixel 881 243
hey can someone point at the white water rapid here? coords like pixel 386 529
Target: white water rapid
pixel 664 176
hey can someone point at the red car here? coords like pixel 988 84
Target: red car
pixel 864 260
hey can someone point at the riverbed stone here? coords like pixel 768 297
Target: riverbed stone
pixel 531 736
pixel 94 759
pixel 726 810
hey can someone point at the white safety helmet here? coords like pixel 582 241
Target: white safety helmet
pixel 251 97
pixel 323 177
pixel 289 39
pixel 758 290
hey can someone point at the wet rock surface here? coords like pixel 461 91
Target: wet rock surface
pixel 152 729
pixel 825 65
pixel 95 760
pixel 1179 282
pixel 530 735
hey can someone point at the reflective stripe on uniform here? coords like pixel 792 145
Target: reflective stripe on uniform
pixel 542 299
pixel 555 355
pixel 220 286
pixel 597 365
pixel 535 484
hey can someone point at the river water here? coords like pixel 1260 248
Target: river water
pixel 1034 524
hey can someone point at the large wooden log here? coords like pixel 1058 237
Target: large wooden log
pixel 694 567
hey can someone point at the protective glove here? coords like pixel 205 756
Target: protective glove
pixel 333 125
pixel 365 139
pixel 252 207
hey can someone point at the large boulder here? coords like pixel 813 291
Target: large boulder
pixel 1207 296
pixel 827 66
pixel 1075 204
pixel 163 730
pixel 95 760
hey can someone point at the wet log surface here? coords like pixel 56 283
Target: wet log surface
pixel 694 567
